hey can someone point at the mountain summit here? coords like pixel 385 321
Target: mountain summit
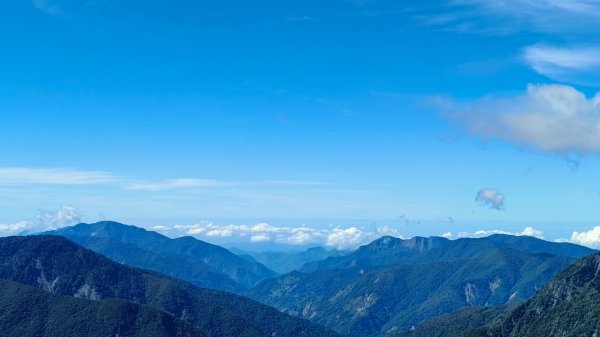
pixel 187 258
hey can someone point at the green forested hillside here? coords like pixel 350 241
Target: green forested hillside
pixel 30 312
pixel 59 266
pixel 569 306
pixel 196 261
pixel 392 285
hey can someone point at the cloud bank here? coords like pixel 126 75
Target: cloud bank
pixel 527 231
pixel 342 238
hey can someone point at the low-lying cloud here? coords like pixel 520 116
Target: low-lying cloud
pixel 527 231
pixel 336 237
pixel 44 221
pixel 590 238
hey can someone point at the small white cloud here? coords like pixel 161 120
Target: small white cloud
pixel 260 238
pixel 348 238
pixel 530 231
pixel 447 235
pixel 66 216
pixel 590 238
pixel 386 230
pixel 301 236
pixel 491 197
pixel 221 232
pixel 549 118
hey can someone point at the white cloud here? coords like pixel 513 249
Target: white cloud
pixel 568 64
pixel 491 197
pixel 14 229
pixel 53 176
pixel 447 235
pixel 66 216
pixel 590 238
pixel 386 230
pixel 530 231
pixel 260 238
pixel 348 238
pixel 551 118
pixel 223 232
pixel 527 231
pixel 45 221
pixel 338 237
pixel 302 236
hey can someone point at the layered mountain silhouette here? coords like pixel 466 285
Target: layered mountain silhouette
pixel 186 258
pixel 285 262
pixel 60 267
pixel 391 285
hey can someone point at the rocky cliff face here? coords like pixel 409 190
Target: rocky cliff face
pixel 567 306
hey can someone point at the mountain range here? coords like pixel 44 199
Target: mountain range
pixel 186 258
pixel 568 306
pixel 62 268
pixel 134 282
pixel 392 285
pixel 287 261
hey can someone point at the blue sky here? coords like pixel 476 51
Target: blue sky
pixel 348 118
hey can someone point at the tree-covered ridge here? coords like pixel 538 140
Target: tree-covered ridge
pixel 569 306
pixel 391 285
pixel 59 266
pixel 187 258
pixel 30 312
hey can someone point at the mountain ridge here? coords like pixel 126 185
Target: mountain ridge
pixel 201 258
pixel 59 266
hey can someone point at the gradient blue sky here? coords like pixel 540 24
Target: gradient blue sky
pixel 359 114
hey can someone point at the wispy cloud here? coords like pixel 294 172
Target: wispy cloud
pixel 53 176
pixel 567 64
pixel 548 16
pixel 491 198
pixel 190 183
pixel 171 184
pixel 48 6
pixel 70 7
pixel 549 118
